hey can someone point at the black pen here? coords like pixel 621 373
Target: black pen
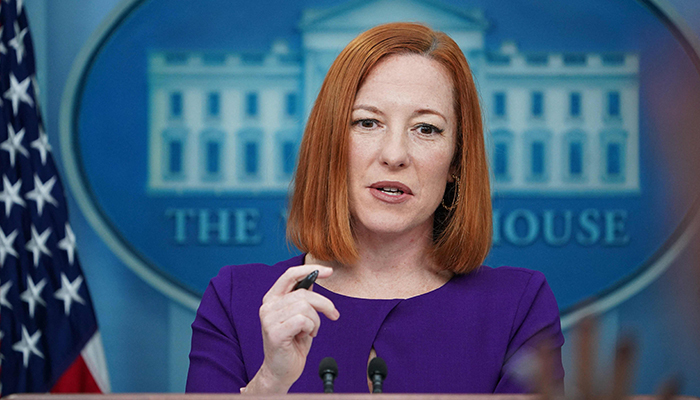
pixel 307 281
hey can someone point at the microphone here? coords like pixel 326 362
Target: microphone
pixel 328 370
pixel 377 373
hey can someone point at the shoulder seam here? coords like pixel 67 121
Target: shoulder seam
pixel 517 308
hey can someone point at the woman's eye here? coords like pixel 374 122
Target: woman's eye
pixel 427 129
pixel 366 123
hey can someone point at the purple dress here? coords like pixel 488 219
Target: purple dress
pixel 469 336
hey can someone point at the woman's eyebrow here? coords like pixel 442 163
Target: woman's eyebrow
pixel 424 111
pixel 418 112
pixel 369 108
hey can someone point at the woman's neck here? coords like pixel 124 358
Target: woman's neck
pixel 388 266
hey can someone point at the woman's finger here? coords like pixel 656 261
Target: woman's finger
pixel 319 302
pixel 285 283
pixel 305 309
pixel 300 307
pixel 288 330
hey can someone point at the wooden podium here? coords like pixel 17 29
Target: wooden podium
pixel 297 396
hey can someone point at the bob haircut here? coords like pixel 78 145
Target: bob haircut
pixel 319 218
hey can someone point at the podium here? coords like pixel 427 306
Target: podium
pixel 298 396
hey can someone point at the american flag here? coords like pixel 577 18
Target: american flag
pixel 48 331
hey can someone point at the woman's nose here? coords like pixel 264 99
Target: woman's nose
pixel 394 151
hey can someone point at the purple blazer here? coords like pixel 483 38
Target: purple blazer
pixel 475 334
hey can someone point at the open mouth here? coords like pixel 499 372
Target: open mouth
pixel 391 188
pixel 391 191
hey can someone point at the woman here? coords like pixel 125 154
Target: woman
pixel 391 205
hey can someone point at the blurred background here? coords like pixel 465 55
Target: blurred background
pixel 175 124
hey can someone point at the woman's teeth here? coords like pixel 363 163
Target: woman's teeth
pixel 392 191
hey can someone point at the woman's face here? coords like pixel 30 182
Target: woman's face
pixel 402 141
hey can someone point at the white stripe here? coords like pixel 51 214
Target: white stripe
pixel 669 10
pixel 94 357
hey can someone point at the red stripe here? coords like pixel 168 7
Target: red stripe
pixel 77 379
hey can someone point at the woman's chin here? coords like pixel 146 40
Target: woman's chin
pixel 392 226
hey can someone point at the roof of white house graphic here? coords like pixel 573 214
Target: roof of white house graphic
pixel 360 15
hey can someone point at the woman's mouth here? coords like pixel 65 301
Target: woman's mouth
pixel 391 187
pixel 391 191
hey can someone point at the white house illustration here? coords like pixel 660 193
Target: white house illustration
pixel 557 123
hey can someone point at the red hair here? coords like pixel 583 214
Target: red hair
pixel 319 214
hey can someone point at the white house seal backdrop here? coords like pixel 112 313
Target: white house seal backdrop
pixel 182 120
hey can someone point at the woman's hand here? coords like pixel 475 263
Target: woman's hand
pixel 289 321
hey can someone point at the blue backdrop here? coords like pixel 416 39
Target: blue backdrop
pixel 146 334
